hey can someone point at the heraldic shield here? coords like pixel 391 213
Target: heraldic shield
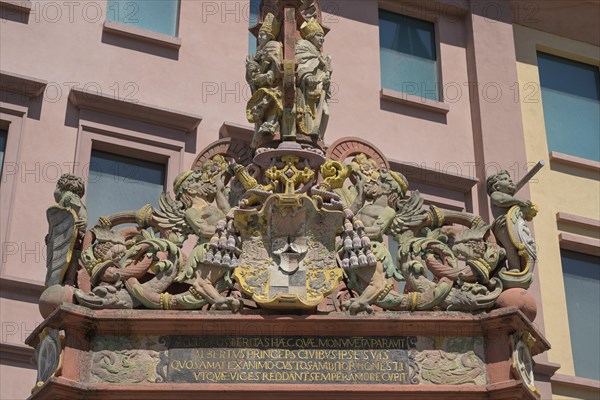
pixel 288 257
pixel 520 235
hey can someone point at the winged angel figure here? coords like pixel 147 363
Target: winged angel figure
pixel 192 213
pixel 447 259
pixel 117 260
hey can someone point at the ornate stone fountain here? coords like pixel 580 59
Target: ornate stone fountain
pixel 290 263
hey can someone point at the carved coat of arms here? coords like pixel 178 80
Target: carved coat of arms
pixel 288 252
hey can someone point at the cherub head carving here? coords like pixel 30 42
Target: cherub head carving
pixel 362 164
pixel 501 182
pixel 69 183
pixel 202 183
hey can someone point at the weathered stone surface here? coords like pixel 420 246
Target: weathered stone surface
pixel 457 361
pixel 288 359
pixel 137 353
pixel 520 298
pixel 125 359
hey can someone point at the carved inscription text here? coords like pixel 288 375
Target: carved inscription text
pixel 289 359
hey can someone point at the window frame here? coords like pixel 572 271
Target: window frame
pixel 554 155
pixel 12 119
pixel 576 234
pixel 118 150
pixel 164 42
pixel 586 252
pixel 20 99
pixel 131 129
pixel 93 136
pixel 410 11
pixel 177 21
pixel 3 128
pixel 251 37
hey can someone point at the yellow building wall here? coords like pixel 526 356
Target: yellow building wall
pixel 557 188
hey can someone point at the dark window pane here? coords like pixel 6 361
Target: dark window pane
pixel 3 137
pixel 407 35
pixel 569 76
pixel 118 183
pixel 408 55
pixel 570 96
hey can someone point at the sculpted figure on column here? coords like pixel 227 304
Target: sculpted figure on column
pixel 264 75
pixel 197 191
pixel 313 80
pixel 509 227
pixel 375 206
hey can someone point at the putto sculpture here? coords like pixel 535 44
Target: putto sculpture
pixel 510 229
pixel 292 226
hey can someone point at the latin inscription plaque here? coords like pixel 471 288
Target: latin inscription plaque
pixel 288 359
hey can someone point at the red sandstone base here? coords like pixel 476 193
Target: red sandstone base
pixel 448 355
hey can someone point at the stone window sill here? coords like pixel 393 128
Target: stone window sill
pixel 583 222
pixel 134 110
pixel 159 39
pixel 574 161
pixel 415 101
pixel 575 381
pixel 20 5
pixel 582 239
pixel 579 244
pixel 236 131
pixel 21 84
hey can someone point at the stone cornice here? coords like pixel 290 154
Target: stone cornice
pixel 415 101
pixel 23 287
pixel 66 388
pixel 545 368
pixel 575 161
pixel 17 354
pixel 575 381
pixel 236 131
pixel 19 5
pixel 580 244
pixel 151 114
pixel 583 222
pixel 419 174
pixel 160 39
pixel 444 323
pixel 21 84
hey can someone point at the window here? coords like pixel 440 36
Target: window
pixel 581 274
pixel 155 15
pixel 408 55
pixel 118 183
pixel 253 20
pixel 3 137
pixel 571 99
